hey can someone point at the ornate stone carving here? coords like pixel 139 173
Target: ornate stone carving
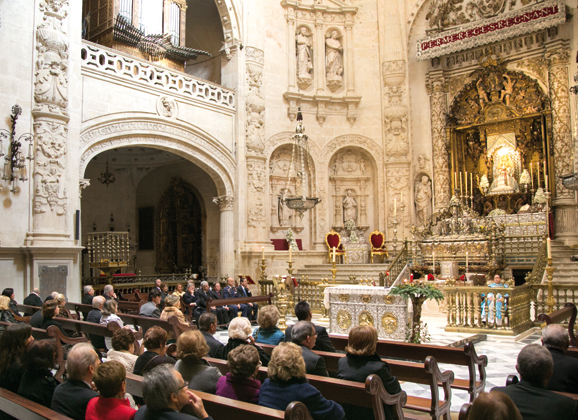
pixel 395 111
pixel 256 176
pixel 167 107
pixel 257 218
pixel 254 103
pixel 224 202
pixel 304 46
pixel 423 206
pixel 334 61
pixel 436 88
pixel 82 184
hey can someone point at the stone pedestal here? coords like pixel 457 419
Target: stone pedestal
pixel 449 269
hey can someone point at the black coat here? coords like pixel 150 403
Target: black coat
pixel 233 343
pixel 216 348
pixel 36 320
pixel 241 292
pixel 7 316
pixel 357 369
pixel 314 364
pixel 12 305
pixel 11 376
pixel 38 385
pixel 71 398
pixel 565 375
pixel 323 342
pixel 96 340
pixel 145 414
pixel 202 298
pixel 538 403
pixel 47 322
pixel 33 300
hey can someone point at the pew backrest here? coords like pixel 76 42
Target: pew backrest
pixel 238 301
pixel 25 409
pixel 562 314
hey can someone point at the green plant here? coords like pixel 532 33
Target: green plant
pixel 418 292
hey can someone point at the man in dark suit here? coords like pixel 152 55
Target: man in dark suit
pixel 530 395
pixel 108 292
pixel 33 299
pixel 71 397
pixel 231 292
pixel 565 373
pixel 228 313
pixel 94 316
pixel 151 308
pixel 243 291
pixel 191 301
pixel 303 313
pixel 87 299
pixel 165 387
pixel 208 327
pixel 304 335
pixel 202 296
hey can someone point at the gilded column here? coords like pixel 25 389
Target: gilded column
pixel 437 89
pixel 226 236
pixel 51 117
pixel 557 56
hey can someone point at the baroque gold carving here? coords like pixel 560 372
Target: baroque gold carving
pixel 343 297
pixel 365 318
pixel 389 299
pixel 366 298
pixel 389 322
pixel 343 319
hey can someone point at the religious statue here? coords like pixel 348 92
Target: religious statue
pixel 284 213
pixel 334 61
pixel 506 93
pixel 349 208
pixel 481 93
pixel 504 181
pixel 423 207
pixel 304 53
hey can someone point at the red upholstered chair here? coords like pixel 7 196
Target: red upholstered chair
pixel 333 239
pixel 377 241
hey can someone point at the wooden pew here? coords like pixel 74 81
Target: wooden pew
pixel 557 317
pixel 449 355
pixel 372 394
pixel 27 309
pixel 426 373
pixel 226 408
pixel 513 379
pixel 25 409
pixel 238 301
pixel 465 411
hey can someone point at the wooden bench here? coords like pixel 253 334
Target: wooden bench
pixel 25 409
pixel 27 310
pixel 449 355
pixel 238 301
pixel 371 394
pixel 226 408
pixel 557 317
pixel 513 379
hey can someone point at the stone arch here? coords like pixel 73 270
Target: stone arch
pixel 178 138
pixel 231 13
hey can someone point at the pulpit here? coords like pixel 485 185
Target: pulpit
pixel 350 306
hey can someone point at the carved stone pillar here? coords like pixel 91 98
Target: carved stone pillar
pixel 349 53
pixel 557 56
pixel 291 60
pixel 437 88
pixel 226 236
pixel 320 56
pixel 50 126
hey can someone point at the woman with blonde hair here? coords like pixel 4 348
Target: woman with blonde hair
pixel 191 348
pixel 171 309
pixel 287 383
pixel 362 361
pixel 6 314
pixel 108 314
pixel 268 332
pixel 62 311
pixel 239 334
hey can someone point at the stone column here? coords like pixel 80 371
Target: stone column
pixel 319 56
pixel 291 60
pixel 226 236
pixel 437 89
pixel 557 56
pixel 349 52
pixel 51 119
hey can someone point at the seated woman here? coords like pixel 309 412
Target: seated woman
pixel 123 352
pixel 287 383
pixel 62 311
pixel 155 342
pixel 6 314
pixel 494 405
pixel 13 342
pixel 268 332
pixel 239 334
pixel 362 361
pixel 191 348
pixel 240 383
pixel 49 312
pixel 108 314
pixel 110 380
pixel 37 383
pixel 9 293
pixel 171 309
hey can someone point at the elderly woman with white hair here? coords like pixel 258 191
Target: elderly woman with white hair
pixel 239 334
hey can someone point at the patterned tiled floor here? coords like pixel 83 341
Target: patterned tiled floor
pixel 501 351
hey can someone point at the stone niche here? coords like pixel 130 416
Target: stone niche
pixel 351 179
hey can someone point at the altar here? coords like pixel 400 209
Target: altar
pixel 356 253
pixel 354 305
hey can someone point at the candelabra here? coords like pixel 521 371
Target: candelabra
pixel 13 159
pixel 550 301
pixel 395 235
pixel 334 271
pixel 263 266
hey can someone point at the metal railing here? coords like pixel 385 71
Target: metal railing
pixel 309 292
pixel 537 273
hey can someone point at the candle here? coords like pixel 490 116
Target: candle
pixel 461 189
pixel 546 182
pixel 549 243
pixel 333 254
pixel 538 172
pixel 471 184
pixel 411 278
pixel 532 175
pixel 262 252
pixel 455 180
pixel 290 252
pixel 466 179
pixel 467 260
pixel 433 255
pixel 395 207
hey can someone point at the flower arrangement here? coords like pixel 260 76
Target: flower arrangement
pixel 418 292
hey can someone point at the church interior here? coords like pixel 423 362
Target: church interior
pixel 321 149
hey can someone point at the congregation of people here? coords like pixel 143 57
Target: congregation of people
pixel 95 381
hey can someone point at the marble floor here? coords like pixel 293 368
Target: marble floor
pixel 501 351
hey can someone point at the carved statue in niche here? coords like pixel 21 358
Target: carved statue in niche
pixel 304 57
pixel 508 89
pixel 254 132
pixel 396 143
pixel 334 61
pixel 349 208
pixel 422 162
pixel 504 182
pixel 423 206
pixel 284 213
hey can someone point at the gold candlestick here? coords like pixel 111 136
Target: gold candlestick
pixel 334 271
pixel 290 269
pixel 550 302
pixel 283 298
pixel 263 266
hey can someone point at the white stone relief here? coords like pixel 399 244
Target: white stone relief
pixel 224 202
pixel 254 103
pixel 334 61
pixel 304 50
pixel 167 107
